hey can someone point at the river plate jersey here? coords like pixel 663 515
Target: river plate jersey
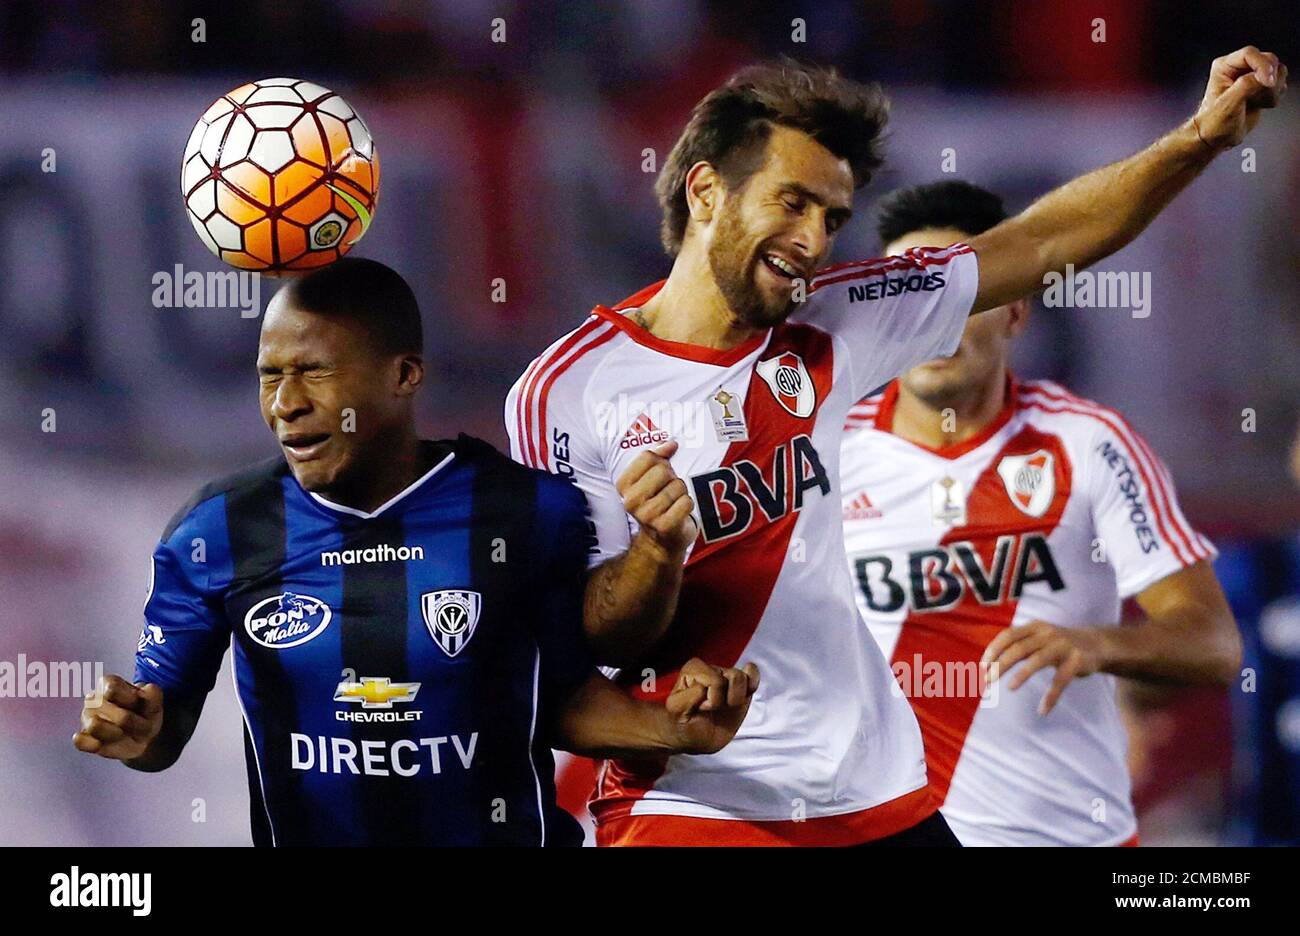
pixel 827 754
pixel 397 670
pixel 1056 512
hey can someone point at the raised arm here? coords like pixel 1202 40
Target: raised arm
pixel 1096 214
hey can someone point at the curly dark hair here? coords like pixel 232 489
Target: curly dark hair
pixel 730 127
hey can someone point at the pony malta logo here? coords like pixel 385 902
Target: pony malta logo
pixel 286 620
pixel 1030 480
pixel 789 382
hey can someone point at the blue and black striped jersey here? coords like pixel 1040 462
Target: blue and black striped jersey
pixel 398 670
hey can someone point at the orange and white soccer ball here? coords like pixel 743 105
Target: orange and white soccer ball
pixel 279 175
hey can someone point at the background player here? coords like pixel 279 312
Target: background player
pixel 736 544
pixel 999 522
pixel 405 615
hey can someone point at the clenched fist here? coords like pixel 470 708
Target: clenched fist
pixel 1241 84
pixel 119 720
pixel 709 703
pixel 658 500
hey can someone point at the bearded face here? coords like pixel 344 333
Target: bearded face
pixel 735 257
pixel 776 227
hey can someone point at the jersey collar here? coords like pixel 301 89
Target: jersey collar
pixel 396 498
pixel 885 421
pixel 677 349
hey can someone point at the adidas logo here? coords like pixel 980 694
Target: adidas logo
pixel 861 508
pixel 642 432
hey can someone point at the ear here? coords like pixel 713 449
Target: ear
pixel 703 191
pixel 1018 317
pixel 410 374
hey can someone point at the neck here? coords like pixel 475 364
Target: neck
pixel 691 309
pixel 938 423
pixel 401 461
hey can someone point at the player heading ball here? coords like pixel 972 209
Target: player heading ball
pixel 412 694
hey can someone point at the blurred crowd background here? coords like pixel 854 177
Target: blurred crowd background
pixel 525 160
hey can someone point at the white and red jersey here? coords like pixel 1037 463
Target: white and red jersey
pixel 827 754
pixel 1056 512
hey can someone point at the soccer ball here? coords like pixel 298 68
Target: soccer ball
pixel 280 174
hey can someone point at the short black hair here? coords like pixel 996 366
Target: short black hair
pixel 948 204
pixel 368 292
pixel 730 127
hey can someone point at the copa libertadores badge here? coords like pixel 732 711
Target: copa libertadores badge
pixel 451 615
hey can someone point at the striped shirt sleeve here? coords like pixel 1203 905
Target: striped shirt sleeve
pixel 1135 508
pixel 549 428
pixel 185 632
pixel 897 312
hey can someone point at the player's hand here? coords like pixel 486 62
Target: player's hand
pixel 1241 84
pixel 1073 652
pixel 709 703
pixel 658 500
pixel 119 720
